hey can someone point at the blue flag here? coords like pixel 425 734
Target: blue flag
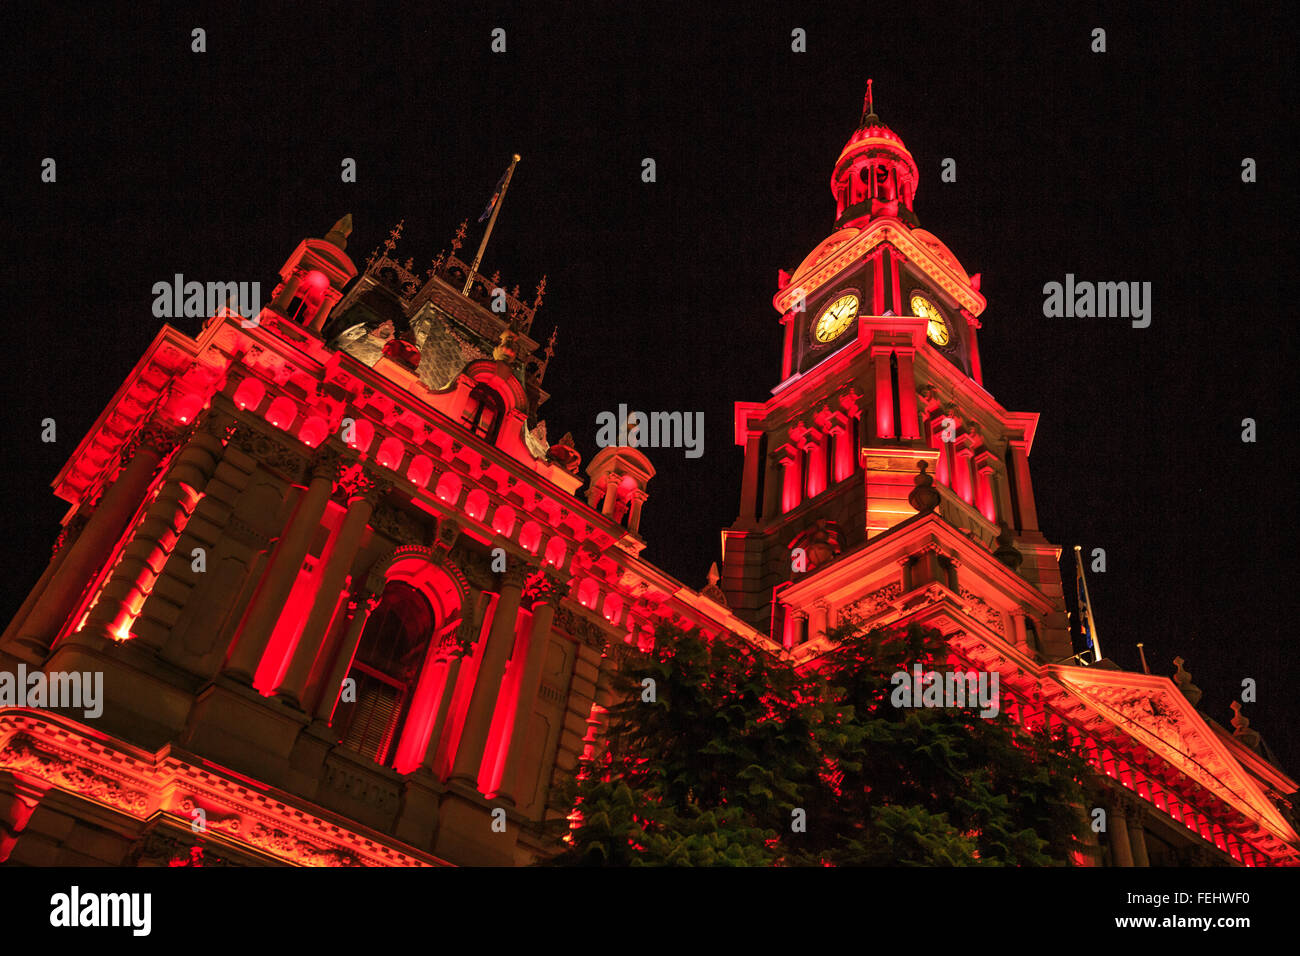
pixel 496 196
pixel 1085 613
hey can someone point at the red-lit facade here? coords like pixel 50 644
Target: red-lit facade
pixel 351 604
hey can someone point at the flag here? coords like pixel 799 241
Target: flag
pixel 1087 626
pixel 496 196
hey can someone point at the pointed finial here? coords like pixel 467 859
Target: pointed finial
pixel 713 573
pixel 869 108
pixel 1241 727
pixel 387 246
pixel 1183 679
pixel 459 241
pixel 541 290
pixel 338 235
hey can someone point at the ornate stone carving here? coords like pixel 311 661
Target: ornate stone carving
pixel 459 641
pixel 326 463
pixel 273 454
pixel 309 854
pixel 580 628
pixel 398 526
pixel 545 588
pixel 219 425
pixel 157 848
pixel 874 603
pixel 229 823
pixel 472 564
pixel 357 483
pixel 446 534
pixel 160 437
pixel 21 752
pixel 981 611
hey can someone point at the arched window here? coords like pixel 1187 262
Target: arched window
pixel 386 667
pixel 483 412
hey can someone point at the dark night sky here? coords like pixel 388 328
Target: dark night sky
pixel 1123 166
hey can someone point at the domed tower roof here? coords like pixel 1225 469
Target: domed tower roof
pixel 875 175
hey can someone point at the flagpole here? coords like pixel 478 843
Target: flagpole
pixel 1087 598
pixel 496 208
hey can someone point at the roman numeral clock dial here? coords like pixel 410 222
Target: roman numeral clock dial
pixel 836 318
pixel 936 329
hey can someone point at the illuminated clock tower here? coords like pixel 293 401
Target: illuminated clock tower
pixel 880 477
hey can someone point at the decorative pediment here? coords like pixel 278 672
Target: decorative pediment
pixel 1152 711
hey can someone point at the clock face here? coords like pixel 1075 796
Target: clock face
pixel 836 317
pixel 936 329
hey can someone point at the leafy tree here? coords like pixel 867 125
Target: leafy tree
pixel 738 745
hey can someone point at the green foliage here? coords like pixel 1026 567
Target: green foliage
pixel 737 739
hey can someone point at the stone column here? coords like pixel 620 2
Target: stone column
pixel 794 621
pixel 976 369
pixel 962 480
pixel 290 288
pixel 936 441
pixel 470 628
pixel 1137 835
pixel 884 392
pixel 749 479
pixel 359 607
pixel 909 425
pixel 1117 826
pixel 841 445
pixel 551 591
pixel 1002 492
pixel 361 505
pixel 1024 488
pixel 634 519
pixel 124 593
pixel 482 703
pixel 94 546
pixel 819 619
pixel 789 455
pixel 817 452
pixel 985 496
pixel 282 572
pixel 1018 625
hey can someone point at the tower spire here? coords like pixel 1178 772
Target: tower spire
pixel 868 108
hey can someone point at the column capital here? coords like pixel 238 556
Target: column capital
pixel 359 485
pixel 359 596
pixel 326 463
pixel 849 399
pixel 218 424
pixel 546 587
pixel 516 573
